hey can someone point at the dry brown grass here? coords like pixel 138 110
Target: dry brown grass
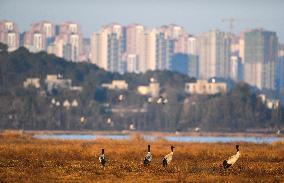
pixel 31 160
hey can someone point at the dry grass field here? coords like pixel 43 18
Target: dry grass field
pixel 24 159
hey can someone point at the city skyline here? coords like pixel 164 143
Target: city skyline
pixel 254 56
pixel 93 14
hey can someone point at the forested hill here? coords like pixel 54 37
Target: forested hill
pixel 34 108
pixel 21 64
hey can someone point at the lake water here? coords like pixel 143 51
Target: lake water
pixel 201 139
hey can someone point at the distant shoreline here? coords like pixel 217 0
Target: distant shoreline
pixel 154 133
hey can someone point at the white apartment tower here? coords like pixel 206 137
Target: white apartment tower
pixel 192 48
pixel 106 48
pixel 236 68
pixel 260 58
pixel 68 44
pixel 214 54
pixel 135 44
pixel 40 36
pixel 150 49
pixel 9 34
pixel 38 42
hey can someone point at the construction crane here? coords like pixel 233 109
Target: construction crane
pixel 233 20
pixel 231 23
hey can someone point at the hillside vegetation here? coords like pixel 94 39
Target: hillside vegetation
pixel 31 108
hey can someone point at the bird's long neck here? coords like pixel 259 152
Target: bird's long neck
pixel 172 150
pixel 237 147
pixel 103 151
pixel 148 148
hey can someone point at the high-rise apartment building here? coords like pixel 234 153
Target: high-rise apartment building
pixel 193 58
pixel 172 40
pixel 135 44
pixel 236 68
pixel 260 58
pixel 86 49
pixel 242 47
pixel 107 47
pixel 172 31
pixel 164 51
pixel 40 36
pixel 177 35
pixel 69 28
pixel 114 47
pixel 134 36
pixel 34 41
pixel 68 43
pixel 193 66
pixel 179 63
pixel 214 54
pixel 132 63
pixel 280 69
pixel 45 27
pixel 9 34
pixel 192 47
pixel 38 41
pixel 181 44
pixel 151 49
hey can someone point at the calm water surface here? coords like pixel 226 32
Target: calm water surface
pixel 201 139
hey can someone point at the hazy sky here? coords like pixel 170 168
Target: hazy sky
pixel 194 15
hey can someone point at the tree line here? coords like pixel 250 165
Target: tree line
pixel 31 108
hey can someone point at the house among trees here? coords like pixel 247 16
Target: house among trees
pixel 270 103
pixel 116 85
pixel 203 87
pixel 32 82
pixel 153 89
pixel 58 82
pixel 52 81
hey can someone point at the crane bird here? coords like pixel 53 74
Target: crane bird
pixel 148 157
pixel 168 158
pixel 230 161
pixel 102 158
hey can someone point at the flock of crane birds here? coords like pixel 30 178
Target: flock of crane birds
pixel 168 158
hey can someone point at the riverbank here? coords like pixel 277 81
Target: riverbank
pixel 154 133
pixel 152 136
pixel 25 159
